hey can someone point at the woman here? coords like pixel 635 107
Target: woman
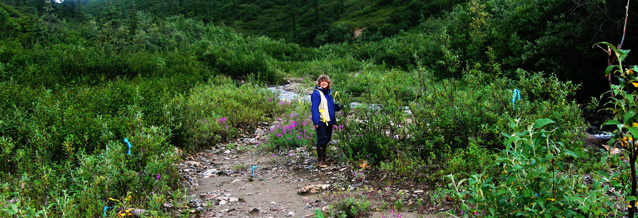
pixel 323 116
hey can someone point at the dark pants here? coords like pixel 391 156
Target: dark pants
pixel 324 135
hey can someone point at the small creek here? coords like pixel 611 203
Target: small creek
pixel 287 93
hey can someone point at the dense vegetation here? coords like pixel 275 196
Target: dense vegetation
pixel 80 77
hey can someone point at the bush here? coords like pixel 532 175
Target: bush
pixel 213 111
pixel 238 59
pixel 536 180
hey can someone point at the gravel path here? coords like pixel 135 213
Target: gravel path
pixel 238 180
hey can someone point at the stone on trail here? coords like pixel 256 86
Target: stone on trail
pixel 193 164
pixel 210 173
pixel 253 211
pixel 312 189
pixel 259 131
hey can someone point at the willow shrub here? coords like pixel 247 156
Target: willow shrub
pixel 535 178
pixel 63 151
pixel 452 124
pixel 212 111
pixel 85 186
pixel 55 152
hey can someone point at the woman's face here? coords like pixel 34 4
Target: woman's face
pixel 323 84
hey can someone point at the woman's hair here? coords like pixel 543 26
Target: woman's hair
pixel 324 77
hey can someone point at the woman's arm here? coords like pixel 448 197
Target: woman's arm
pixel 315 99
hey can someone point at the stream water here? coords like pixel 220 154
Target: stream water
pixel 285 93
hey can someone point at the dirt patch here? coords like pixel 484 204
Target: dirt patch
pixel 239 181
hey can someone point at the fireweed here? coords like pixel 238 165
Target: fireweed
pixel 292 129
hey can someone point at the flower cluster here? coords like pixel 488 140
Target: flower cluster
pixel 359 176
pixel 392 215
pixel 292 130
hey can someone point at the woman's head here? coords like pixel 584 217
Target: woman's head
pixel 326 79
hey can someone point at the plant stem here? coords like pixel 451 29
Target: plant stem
pixel 632 162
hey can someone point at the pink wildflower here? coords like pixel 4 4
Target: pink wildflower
pixel 222 120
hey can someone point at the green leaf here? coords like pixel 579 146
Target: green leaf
pixel 622 54
pixel 611 122
pixel 585 208
pixel 603 174
pixel 610 69
pixel 630 114
pixel 318 213
pixel 569 153
pixel 631 98
pixel 607 44
pixel 542 122
pixel 634 132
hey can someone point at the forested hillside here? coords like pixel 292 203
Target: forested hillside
pixel 304 22
pixel 551 36
pixel 78 77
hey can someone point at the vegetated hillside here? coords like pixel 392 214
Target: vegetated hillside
pixel 309 23
pixel 500 36
pixel 554 36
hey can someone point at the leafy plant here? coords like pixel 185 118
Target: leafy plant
pixel 623 103
pixel 535 181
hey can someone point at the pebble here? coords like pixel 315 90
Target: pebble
pixel 254 210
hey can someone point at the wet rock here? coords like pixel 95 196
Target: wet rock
pixel 193 164
pixel 259 132
pixel 312 189
pixel 167 205
pixel 210 173
pixel 590 141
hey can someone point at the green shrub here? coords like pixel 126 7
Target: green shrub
pixel 536 180
pixel 460 111
pixel 237 59
pixel 349 208
pixel 213 111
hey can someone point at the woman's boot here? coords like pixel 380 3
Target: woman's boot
pixel 321 157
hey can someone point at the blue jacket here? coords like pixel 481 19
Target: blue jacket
pixel 315 98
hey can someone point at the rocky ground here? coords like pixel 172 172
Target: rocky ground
pixel 239 180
